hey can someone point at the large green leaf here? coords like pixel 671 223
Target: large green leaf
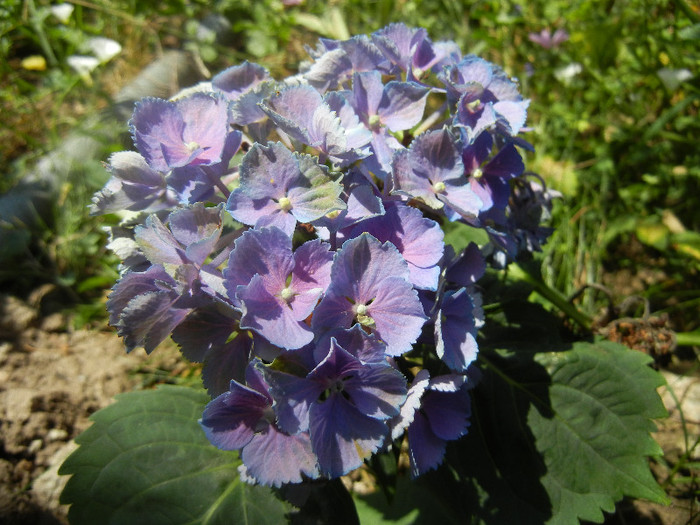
pixel 146 460
pixel 596 445
pixel 556 437
pixel 559 436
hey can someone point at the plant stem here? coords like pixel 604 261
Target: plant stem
pixel 41 34
pixel 688 338
pixel 552 295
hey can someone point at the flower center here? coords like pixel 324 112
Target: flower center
pixel 287 294
pixel 285 204
pixel 373 121
pixel 439 187
pixel 477 173
pixel 361 314
pixel 474 105
pixel 192 146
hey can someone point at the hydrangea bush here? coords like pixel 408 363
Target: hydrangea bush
pixel 291 236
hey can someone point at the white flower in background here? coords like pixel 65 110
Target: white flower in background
pixel 62 12
pixel 83 65
pixel 567 73
pixel 105 49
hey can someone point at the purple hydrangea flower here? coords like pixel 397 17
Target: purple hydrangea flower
pixel 198 183
pixel 396 106
pixel 418 239
pixel 489 180
pixel 436 411
pixel 398 43
pixel 370 286
pixel 277 289
pixel 301 112
pixel 242 418
pixel 133 186
pixel 485 97
pixel 432 170
pixel 189 131
pixel 337 61
pixel 344 402
pixel 279 188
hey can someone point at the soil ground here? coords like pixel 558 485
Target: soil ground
pixel 52 379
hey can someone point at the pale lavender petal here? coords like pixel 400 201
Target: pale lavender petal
pixel 402 105
pixel 266 252
pixel 342 437
pixel 206 127
pixel 426 450
pixel 260 213
pixel 363 263
pixel 197 229
pixel 292 109
pixel 268 171
pixel 230 419
pixel 356 133
pixel 398 315
pixel 328 69
pixel 511 114
pixel 455 330
pixel 156 122
pixel 418 239
pixel 367 91
pixel 377 390
pixel 398 42
pixel 271 316
pixel 237 80
pixel 274 458
pixel 158 244
pixel 133 186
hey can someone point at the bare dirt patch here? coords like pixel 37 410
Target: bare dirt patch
pixel 51 380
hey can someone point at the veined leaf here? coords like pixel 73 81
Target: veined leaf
pixel 560 436
pixel 146 460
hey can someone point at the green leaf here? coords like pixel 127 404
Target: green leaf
pixel 560 436
pixel 146 460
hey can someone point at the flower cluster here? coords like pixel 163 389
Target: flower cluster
pixel 289 236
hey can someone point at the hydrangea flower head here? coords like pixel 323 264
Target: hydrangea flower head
pixel 328 286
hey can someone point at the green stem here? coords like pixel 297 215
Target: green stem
pixel 688 338
pixel 41 34
pixel 552 295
